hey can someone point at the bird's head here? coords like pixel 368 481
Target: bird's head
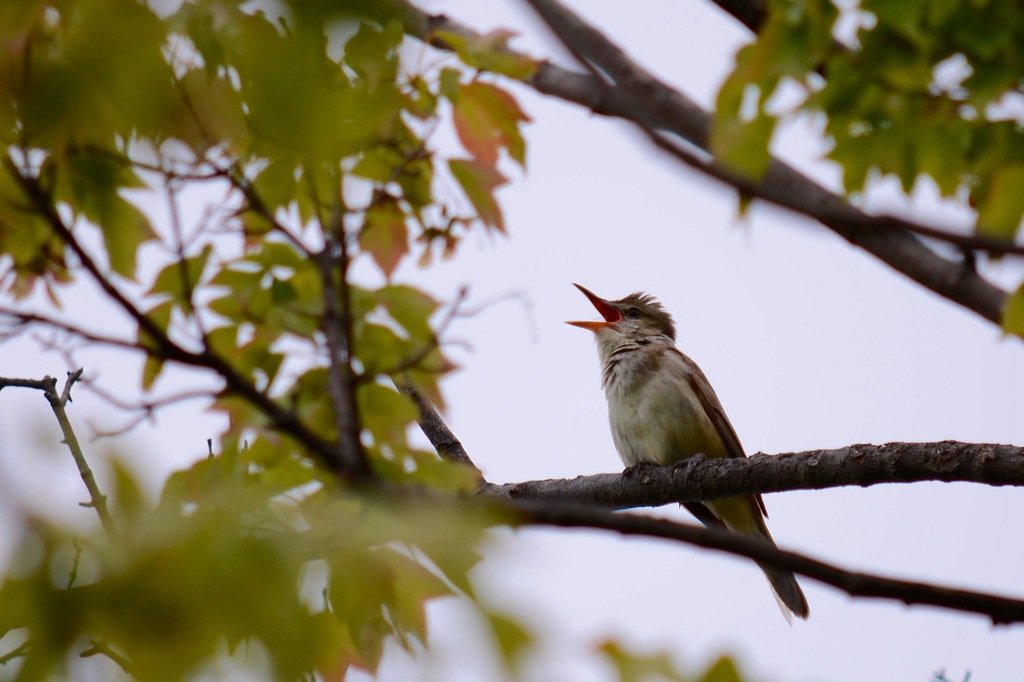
pixel 634 317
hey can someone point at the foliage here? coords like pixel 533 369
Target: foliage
pixel 907 89
pixel 316 133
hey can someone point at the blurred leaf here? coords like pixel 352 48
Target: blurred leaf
pixel 384 235
pixel 490 52
pixel 411 308
pixel 179 279
pixel 1001 203
pixel 90 184
pixel 479 180
pixel 371 52
pixel 632 667
pixel 487 120
pixel 743 147
pixel 512 638
pixel 386 413
pixel 211 113
pixel 722 670
pixel 1013 313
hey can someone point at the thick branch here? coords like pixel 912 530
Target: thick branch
pixel 341 379
pixel 860 465
pixel 750 13
pixel 656 106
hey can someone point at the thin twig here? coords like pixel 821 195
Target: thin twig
pixel 18 652
pixel 1000 610
pixel 98 648
pixel 58 401
pixel 441 437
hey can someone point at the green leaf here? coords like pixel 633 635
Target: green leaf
pixel 379 164
pixel 490 52
pixel 487 120
pixel 384 235
pixel 479 180
pixel 722 670
pixel 179 279
pixel 743 147
pixel 636 668
pixel 411 308
pixel 91 184
pixel 211 113
pixel 151 371
pixel 413 587
pixel 1001 202
pixel 1013 313
pixel 371 52
pixel 386 413
pixel 512 638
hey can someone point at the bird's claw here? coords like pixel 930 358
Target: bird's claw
pixel 637 469
pixel 687 465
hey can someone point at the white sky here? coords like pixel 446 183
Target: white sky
pixel 809 343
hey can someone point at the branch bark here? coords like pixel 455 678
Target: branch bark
pixel 855 465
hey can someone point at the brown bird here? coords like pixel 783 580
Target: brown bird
pixel 663 410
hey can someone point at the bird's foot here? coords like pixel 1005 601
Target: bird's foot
pixel 637 469
pixel 686 466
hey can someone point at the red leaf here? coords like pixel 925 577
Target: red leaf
pixel 479 180
pixel 385 236
pixel 487 120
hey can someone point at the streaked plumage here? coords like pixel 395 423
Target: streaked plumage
pixel 663 410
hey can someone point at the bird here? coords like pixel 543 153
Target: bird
pixel 663 411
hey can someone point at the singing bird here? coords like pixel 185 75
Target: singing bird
pixel 663 411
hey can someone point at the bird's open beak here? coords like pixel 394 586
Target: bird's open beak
pixel 607 310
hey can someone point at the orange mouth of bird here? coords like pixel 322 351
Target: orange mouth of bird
pixel 609 312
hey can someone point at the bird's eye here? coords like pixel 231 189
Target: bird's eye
pixel 634 314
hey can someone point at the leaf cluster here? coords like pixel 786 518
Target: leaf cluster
pixel 914 89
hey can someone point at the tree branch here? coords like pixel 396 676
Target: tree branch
pixel 1000 610
pixel 48 385
pixel 437 432
pixel 656 106
pixel 855 465
pixel 639 97
pixel 571 503
pixel 283 420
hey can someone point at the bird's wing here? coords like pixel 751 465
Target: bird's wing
pixel 713 407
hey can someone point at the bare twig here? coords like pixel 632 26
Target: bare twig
pixel 97 648
pixel 48 385
pixel 146 408
pixel 434 428
pixel 18 652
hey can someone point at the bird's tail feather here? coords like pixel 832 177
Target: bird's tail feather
pixel 787 592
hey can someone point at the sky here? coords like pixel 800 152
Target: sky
pixel 809 343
